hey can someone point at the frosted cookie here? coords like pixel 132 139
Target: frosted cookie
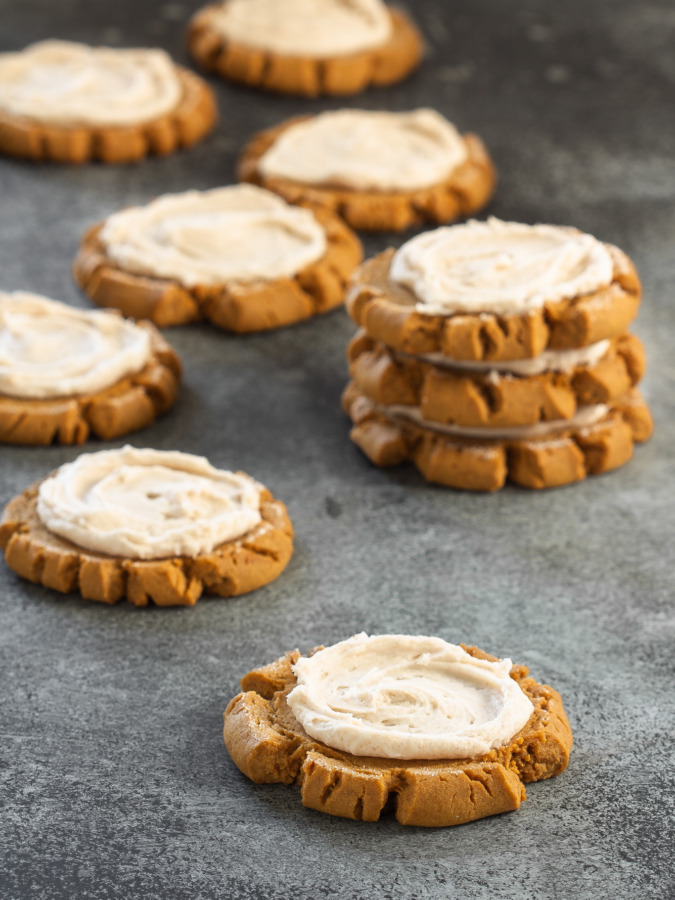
pixel 378 170
pixel 71 103
pixel 68 374
pixel 599 437
pixel 239 256
pixel 444 734
pixel 549 387
pixel 489 291
pixel 306 47
pixel 149 525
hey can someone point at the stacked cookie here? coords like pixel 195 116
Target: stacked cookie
pixel 491 351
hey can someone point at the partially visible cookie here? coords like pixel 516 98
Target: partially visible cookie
pixel 597 439
pixel 489 291
pixel 442 734
pixel 152 526
pixel 70 103
pixel 68 374
pixel 305 47
pixel 239 257
pixel 381 171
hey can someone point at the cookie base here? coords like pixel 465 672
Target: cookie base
pixel 132 403
pixel 236 567
pixel 192 119
pixel 495 400
pixel 474 465
pixel 237 306
pixel 388 313
pixel 305 76
pixel 268 744
pixel 465 191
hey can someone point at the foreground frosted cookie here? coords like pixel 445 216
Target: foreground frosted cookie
pixel 306 47
pixel 378 170
pixel 149 525
pixel 68 374
pixel 488 291
pixel 71 103
pixel 549 387
pixel 444 734
pixel 596 439
pixel 240 257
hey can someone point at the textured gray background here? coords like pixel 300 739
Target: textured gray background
pixel 115 782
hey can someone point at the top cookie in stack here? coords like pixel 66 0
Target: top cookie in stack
pixel 495 350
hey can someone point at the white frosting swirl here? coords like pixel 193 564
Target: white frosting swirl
pixel 363 150
pixel 49 349
pixel 238 233
pixel 404 697
pixel 309 28
pixel 500 267
pixel 147 504
pixel 74 84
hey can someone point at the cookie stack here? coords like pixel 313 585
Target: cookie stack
pixel 493 350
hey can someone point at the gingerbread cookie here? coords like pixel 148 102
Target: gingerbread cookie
pixel 240 257
pixel 441 733
pixel 488 291
pixel 68 374
pixel 71 103
pixel 551 386
pixel 596 439
pixel 378 170
pixel 306 47
pixel 149 525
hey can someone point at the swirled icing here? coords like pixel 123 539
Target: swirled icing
pixel 73 84
pixel 362 150
pixel 310 28
pixel 404 697
pixel 49 349
pixel 238 233
pixel 147 504
pixel 499 267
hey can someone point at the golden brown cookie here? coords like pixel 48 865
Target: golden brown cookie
pixel 492 399
pixel 268 744
pixel 132 403
pixel 193 119
pixel 473 464
pixel 309 77
pixel 237 306
pixel 235 567
pixel 466 190
pixel 388 313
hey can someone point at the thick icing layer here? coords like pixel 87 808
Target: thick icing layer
pixel 548 361
pixel 585 417
pixel 147 504
pixel 239 233
pixel 404 697
pixel 362 150
pixel 48 349
pixel 311 28
pixel 499 267
pixel 73 84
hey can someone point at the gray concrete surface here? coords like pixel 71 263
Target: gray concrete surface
pixel 114 780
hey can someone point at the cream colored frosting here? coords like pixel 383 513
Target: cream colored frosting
pixel 74 84
pixel 311 28
pixel 364 150
pixel 548 361
pixel 404 697
pixel 584 417
pixel 239 233
pixel 147 504
pixel 500 267
pixel 49 349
